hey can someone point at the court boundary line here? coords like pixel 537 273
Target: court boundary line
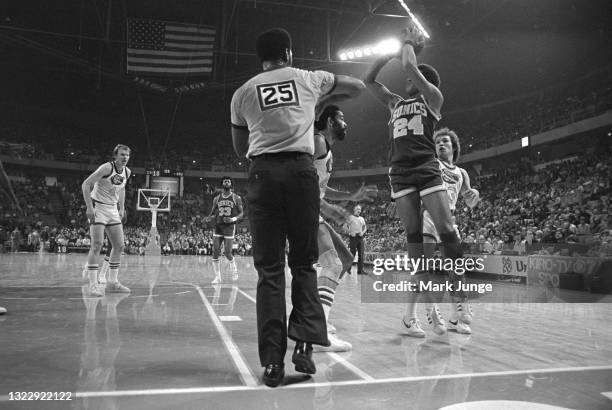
pixel 246 374
pixel 335 356
pixel 227 389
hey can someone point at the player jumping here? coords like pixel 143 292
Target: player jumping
pixel 415 173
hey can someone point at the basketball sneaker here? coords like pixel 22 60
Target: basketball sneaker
pixel 95 290
pixel 464 312
pixel 117 287
pixel 335 345
pixel 434 317
pixel 412 328
pixel 102 274
pixel 331 329
pixel 459 327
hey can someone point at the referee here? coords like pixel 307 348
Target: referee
pixel 272 118
pixel 356 229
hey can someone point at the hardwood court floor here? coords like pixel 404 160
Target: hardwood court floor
pixel 177 342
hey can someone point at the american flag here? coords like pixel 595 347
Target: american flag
pixel 169 49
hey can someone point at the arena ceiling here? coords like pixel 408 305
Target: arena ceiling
pixel 71 53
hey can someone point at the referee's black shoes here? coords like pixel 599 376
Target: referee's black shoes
pixel 302 358
pixel 273 375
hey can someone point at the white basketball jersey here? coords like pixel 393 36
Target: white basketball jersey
pixel 107 189
pixel 324 168
pixel 453 181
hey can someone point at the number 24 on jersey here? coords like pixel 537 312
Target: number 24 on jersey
pixel 401 126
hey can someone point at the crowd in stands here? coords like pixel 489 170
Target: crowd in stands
pixel 40 227
pixel 497 123
pixel 565 202
pixel 563 208
pixel 479 127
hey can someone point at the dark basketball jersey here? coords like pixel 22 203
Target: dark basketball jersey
pixel 411 129
pixel 226 206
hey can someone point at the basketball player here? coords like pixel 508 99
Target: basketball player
pixel 457 182
pixel 334 258
pixel 415 173
pixel 104 195
pixel 227 210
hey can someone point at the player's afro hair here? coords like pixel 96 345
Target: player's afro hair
pixel 329 112
pixel 227 178
pixel 271 44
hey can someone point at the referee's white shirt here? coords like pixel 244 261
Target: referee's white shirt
pixel 356 225
pixel 278 108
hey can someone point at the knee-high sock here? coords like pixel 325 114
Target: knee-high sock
pixel 327 292
pixel 113 271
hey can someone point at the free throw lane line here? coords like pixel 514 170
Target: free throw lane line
pixel 245 372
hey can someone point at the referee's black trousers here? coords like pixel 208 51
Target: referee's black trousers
pixel 356 246
pixel 283 203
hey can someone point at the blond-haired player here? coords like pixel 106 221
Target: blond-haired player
pixel 104 195
pixel 457 182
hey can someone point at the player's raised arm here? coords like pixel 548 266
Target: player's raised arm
pixel 411 40
pixel 345 88
pixel 380 92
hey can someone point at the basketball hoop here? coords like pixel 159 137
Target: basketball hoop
pixel 154 201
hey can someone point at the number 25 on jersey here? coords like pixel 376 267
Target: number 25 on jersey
pixel 402 125
pixel 275 95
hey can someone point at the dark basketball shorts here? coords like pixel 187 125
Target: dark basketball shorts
pixel 424 178
pixel 226 231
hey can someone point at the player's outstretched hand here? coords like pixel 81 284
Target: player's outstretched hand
pixel 413 34
pixel 339 215
pixel 392 210
pixel 365 193
pixel 471 197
